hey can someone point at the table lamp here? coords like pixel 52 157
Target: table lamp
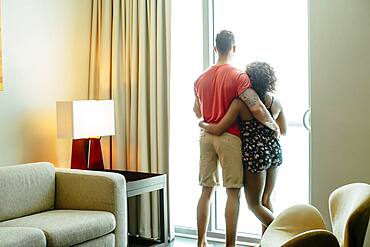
pixel 86 121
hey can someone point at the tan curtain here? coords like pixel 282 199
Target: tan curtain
pixel 129 62
pixel 1 53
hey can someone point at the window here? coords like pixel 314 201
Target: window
pixel 274 32
pixel 266 30
pixel 186 66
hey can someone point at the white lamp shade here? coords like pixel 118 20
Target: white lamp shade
pixel 85 118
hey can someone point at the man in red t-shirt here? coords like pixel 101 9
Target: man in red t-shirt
pixel 214 90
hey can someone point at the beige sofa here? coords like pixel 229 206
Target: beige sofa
pixel 44 206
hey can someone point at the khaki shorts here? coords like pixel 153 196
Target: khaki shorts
pixel 227 150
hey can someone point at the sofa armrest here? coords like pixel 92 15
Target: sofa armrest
pixel 94 190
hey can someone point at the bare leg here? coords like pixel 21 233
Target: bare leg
pixel 254 186
pixel 203 215
pixel 231 215
pixel 269 187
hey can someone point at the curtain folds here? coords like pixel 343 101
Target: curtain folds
pixel 129 62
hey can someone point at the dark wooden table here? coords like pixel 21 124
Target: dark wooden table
pixel 138 183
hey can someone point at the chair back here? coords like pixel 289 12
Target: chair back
pixel 292 222
pixel 349 208
pixel 316 238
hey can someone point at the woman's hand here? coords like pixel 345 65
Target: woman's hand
pixel 202 124
pixel 210 128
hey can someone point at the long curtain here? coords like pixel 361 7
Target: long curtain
pixel 129 62
pixel 1 53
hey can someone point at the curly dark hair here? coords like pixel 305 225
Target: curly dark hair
pixel 224 41
pixel 262 77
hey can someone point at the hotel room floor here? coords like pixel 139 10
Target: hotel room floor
pixel 188 242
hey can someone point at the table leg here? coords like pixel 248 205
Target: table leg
pixel 164 215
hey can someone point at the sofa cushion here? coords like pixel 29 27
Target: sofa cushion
pixel 21 237
pixel 68 227
pixel 26 189
pixel 105 241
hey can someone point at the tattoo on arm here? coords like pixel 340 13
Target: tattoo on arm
pixel 249 97
pixel 258 109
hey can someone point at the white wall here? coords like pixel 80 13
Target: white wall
pixel 45 59
pixel 340 94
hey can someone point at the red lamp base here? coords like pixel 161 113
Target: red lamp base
pixel 87 154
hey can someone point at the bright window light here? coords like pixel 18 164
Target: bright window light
pixel 266 30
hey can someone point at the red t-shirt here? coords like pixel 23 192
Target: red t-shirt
pixel 216 88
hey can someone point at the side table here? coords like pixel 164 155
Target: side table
pixel 138 183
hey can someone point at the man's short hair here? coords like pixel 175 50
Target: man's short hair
pixel 224 41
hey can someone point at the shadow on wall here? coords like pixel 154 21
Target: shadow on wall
pixel 39 138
